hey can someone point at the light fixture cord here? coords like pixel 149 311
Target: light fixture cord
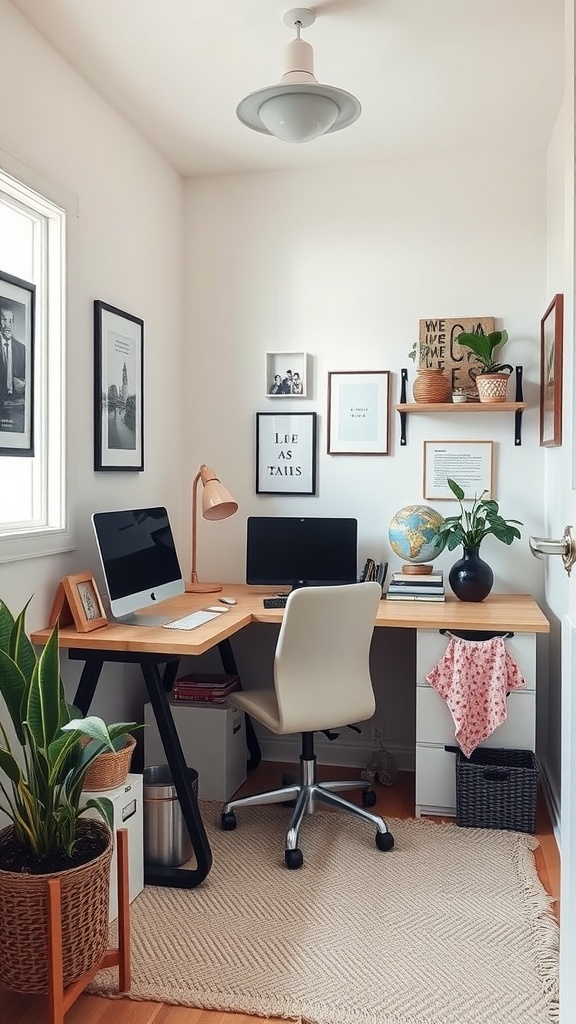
pixel 297 26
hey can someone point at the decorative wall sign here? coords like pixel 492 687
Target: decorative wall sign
pixel 17 320
pixel 286 374
pixel 469 463
pixel 358 412
pixel 551 337
pixel 437 347
pixel 286 453
pixel 118 389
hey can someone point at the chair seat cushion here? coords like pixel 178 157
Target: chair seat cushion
pixel 262 704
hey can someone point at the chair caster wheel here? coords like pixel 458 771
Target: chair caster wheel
pixel 368 798
pixel 293 858
pixel 228 822
pixel 384 840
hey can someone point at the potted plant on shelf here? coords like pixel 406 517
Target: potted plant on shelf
pixel 492 378
pixel 471 578
pixel 42 772
pixel 431 384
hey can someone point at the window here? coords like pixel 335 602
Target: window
pixel 33 508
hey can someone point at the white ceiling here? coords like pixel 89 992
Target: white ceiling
pixel 433 76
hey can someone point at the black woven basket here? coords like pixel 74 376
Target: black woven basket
pixel 497 788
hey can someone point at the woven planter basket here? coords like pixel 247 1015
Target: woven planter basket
pixel 24 919
pixel 110 769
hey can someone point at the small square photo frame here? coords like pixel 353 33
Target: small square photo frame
pixel 286 375
pixel 551 339
pixel 79 596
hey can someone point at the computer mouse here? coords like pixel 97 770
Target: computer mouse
pixel 227 600
pixel 216 608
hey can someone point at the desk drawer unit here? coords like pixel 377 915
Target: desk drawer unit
pixel 435 769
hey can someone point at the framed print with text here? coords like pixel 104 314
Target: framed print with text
pixel 286 453
pixel 118 389
pixel 358 412
pixel 17 321
pixel 468 463
pixel 551 337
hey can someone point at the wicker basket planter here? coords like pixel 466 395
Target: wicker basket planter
pixel 24 937
pixel 110 769
pixel 492 387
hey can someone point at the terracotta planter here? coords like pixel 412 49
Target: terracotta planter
pixel 431 386
pixel 492 387
pixel 24 919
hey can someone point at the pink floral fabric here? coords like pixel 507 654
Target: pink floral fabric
pixel 474 677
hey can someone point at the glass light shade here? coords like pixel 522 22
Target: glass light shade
pixel 298 116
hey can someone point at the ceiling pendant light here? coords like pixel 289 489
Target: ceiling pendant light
pixel 298 108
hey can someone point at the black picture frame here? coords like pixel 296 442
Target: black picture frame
pixel 17 367
pixel 118 389
pixel 551 343
pixel 286 445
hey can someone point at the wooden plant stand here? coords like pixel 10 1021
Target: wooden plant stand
pixel 60 999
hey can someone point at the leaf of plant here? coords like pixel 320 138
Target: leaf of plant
pixel 456 489
pixel 91 726
pixel 105 807
pixel 10 765
pixel 6 626
pixel 43 707
pixel 13 690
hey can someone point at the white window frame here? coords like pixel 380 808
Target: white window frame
pixel 53 528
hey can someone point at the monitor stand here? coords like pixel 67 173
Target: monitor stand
pixel 141 619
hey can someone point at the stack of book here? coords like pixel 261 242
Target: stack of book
pixel 214 689
pixel 374 571
pixel 416 587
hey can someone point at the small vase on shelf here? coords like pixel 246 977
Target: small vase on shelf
pixel 431 386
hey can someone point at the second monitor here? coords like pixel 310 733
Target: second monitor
pixel 300 551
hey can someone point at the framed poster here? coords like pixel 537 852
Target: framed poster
pixel 286 453
pixel 286 374
pixel 17 322
pixel 551 338
pixel 469 463
pixel 118 389
pixel 358 412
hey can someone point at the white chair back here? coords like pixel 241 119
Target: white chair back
pixel 322 660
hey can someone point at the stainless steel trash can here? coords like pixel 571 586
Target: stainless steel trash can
pixel 166 839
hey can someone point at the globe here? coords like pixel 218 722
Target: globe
pixel 412 533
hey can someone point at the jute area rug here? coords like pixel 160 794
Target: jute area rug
pixel 450 927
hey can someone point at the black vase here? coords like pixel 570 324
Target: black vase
pixel 470 577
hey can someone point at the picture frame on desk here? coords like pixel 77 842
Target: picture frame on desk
pixel 551 343
pixel 286 453
pixel 78 600
pixel 118 389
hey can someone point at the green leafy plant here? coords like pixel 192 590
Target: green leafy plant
pixel 40 790
pixel 484 346
pixel 471 526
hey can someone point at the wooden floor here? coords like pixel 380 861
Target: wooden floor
pixel 395 801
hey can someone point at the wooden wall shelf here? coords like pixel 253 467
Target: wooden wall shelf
pixel 455 408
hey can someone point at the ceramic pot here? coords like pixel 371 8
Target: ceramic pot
pixel 492 387
pixel 471 578
pixel 431 386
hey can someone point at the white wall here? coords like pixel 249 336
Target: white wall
pixel 129 253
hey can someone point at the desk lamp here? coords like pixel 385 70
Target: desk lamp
pixel 217 503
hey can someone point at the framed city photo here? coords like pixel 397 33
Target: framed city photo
pixel 118 389
pixel 17 322
pixel 286 374
pixel 551 337
pixel 286 453
pixel 358 412
pixel 77 600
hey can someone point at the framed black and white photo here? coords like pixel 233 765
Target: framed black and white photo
pixel 358 412
pixel 118 389
pixel 17 322
pixel 286 453
pixel 286 374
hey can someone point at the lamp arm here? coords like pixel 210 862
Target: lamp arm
pixel 194 573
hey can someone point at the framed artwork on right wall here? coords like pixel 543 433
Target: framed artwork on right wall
pixel 551 338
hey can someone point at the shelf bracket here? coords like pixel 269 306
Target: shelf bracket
pixel 404 382
pixel 518 414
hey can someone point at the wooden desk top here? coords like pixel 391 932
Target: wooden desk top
pixel 516 612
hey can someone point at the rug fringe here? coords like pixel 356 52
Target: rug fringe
pixel 545 931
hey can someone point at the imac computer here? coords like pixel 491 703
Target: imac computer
pixel 296 552
pixel 139 562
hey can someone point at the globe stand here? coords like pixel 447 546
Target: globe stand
pixel 417 569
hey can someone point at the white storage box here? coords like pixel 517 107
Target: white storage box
pixel 127 813
pixel 213 738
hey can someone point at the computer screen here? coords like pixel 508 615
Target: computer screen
pixel 139 561
pixel 297 551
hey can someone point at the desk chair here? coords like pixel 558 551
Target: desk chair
pixel 321 681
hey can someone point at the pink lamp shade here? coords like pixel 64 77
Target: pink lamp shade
pixel 217 503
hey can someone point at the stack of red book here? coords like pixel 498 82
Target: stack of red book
pixel 212 688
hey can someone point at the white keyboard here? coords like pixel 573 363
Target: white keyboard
pixel 191 621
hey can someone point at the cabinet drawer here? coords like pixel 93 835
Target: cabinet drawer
pixel 435 780
pixel 431 645
pixel 434 723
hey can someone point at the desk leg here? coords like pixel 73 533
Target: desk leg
pixel 88 679
pixel 175 877
pixel 229 666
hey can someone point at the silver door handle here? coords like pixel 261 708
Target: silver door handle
pixel 541 547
